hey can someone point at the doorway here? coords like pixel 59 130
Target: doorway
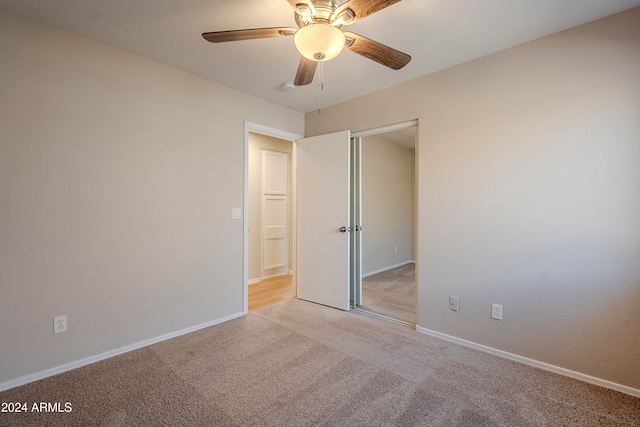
pixel 334 276
pixel 269 216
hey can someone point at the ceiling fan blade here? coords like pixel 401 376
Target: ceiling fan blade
pixel 375 51
pixel 363 8
pixel 254 33
pixel 306 71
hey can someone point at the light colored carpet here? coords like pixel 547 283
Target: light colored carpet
pixel 299 364
pixel 391 293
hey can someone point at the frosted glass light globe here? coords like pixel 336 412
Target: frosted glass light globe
pixel 319 42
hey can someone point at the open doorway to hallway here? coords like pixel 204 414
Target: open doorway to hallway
pixel 270 211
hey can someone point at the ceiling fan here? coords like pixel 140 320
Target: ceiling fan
pixel 319 38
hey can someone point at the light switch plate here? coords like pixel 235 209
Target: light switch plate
pixel 236 213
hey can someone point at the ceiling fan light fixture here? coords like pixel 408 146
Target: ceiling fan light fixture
pixel 319 42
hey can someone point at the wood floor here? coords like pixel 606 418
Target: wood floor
pixel 270 291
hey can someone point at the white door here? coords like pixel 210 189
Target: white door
pixel 322 211
pixel 275 208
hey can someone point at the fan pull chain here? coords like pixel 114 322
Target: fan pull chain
pixel 321 84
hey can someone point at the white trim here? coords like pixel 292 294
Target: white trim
pixel 391 267
pixel 268 131
pixel 535 363
pixel 112 353
pixel 254 281
pixel 384 129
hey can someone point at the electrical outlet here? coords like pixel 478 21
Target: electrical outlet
pixel 454 303
pixel 59 324
pixel 496 311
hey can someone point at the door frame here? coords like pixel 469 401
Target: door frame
pixel 250 127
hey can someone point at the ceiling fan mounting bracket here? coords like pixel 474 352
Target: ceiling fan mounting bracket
pixel 322 12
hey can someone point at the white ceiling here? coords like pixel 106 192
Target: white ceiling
pixel 436 33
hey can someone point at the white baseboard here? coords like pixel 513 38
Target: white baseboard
pixel 391 267
pixel 92 359
pixel 254 281
pixel 535 363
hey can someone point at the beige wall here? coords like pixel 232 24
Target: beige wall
pixel 529 195
pixel 117 177
pixel 257 143
pixel 387 204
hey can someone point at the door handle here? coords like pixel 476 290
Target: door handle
pixel 342 229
